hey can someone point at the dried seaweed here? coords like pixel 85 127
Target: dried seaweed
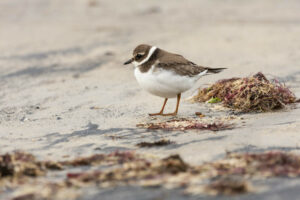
pixel 20 164
pixel 29 196
pixel 228 186
pixel 255 93
pixel 21 170
pixel 228 176
pixel 132 172
pixel 98 159
pixel 162 142
pixel 267 164
pixel 186 124
pixel 48 191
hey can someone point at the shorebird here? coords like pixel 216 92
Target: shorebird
pixel 166 74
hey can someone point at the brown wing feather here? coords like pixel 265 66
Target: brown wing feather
pixel 178 64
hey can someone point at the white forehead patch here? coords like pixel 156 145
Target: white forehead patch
pixel 135 63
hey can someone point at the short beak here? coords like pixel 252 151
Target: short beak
pixel 128 61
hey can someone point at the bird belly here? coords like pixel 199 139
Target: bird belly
pixel 163 83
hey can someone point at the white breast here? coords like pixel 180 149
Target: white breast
pixel 164 83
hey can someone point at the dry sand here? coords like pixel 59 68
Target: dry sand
pixel 64 90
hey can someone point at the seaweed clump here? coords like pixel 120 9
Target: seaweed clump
pixel 183 124
pixel 228 186
pixel 267 164
pixel 143 172
pixel 162 142
pixel 249 94
pixel 103 159
pixel 20 164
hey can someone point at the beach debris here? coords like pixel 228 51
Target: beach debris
pixel 214 100
pixel 199 114
pixel 228 176
pixel 45 191
pixel 267 164
pixel 52 165
pixel 20 164
pixel 250 94
pixel 187 124
pixel 228 186
pixel 231 175
pixel 27 177
pixel 162 142
pixel 132 173
pixel 103 159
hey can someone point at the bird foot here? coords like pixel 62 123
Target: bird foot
pixel 170 114
pixel 155 114
pixel 167 114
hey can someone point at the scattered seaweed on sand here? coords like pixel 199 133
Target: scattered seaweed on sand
pixel 227 176
pixel 268 164
pixel 46 191
pixel 231 175
pixel 187 124
pixel 162 142
pixel 103 159
pixel 133 173
pixel 20 164
pixel 250 94
pixel 228 186
pixel 21 172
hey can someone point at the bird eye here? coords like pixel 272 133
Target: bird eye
pixel 138 56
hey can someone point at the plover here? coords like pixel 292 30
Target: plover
pixel 165 74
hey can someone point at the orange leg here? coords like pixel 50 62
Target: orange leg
pixel 162 109
pixel 177 106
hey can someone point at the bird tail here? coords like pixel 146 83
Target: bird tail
pixel 214 70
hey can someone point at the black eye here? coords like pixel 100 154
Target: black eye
pixel 138 56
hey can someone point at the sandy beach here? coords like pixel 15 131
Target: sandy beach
pixel 66 93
